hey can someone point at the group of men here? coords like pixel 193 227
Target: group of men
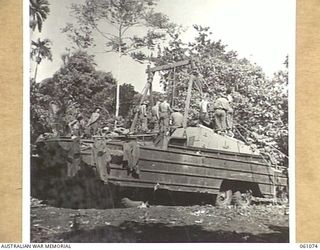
pixel 78 127
pixel 222 112
pixel 163 117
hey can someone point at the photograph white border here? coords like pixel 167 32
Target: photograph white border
pixel 26 155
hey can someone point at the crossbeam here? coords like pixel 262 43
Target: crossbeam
pixel 169 66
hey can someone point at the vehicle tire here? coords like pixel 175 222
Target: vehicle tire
pixel 242 199
pixel 284 198
pixel 224 198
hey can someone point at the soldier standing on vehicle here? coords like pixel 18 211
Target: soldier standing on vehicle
pixel 93 123
pixel 165 111
pixel 77 126
pixel 155 117
pixel 221 107
pixel 229 114
pixel 176 119
pixel 143 117
pixel 56 118
pixel 204 115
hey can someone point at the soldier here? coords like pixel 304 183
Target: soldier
pixel 176 119
pixel 76 126
pixel 56 119
pixel 165 111
pixel 204 115
pixel 229 114
pixel 143 117
pixel 221 107
pixel 155 117
pixel 93 123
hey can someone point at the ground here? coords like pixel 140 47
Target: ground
pixel 206 223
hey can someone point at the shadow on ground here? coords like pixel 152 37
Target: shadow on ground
pixel 130 232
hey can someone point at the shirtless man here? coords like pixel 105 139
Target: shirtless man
pixel 155 117
pixel 221 107
pixel 93 123
pixel 143 117
pixel 204 115
pixel 176 119
pixel 165 111
pixel 77 126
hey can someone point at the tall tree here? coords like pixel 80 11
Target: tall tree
pixel 260 105
pixel 39 10
pixel 114 21
pixel 77 87
pixel 127 94
pixel 40 50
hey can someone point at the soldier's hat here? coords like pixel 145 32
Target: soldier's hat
pixel 176 109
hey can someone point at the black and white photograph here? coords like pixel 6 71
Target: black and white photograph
pixel 160 121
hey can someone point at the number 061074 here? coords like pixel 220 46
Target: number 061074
pixel 308 245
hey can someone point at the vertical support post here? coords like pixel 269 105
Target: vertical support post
pixel 173 87
pixel 186 109
pixel 144 94
pixel 150 75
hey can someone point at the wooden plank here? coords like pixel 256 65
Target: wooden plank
pixel 169 66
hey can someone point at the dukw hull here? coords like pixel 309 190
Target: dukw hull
pixel 177 168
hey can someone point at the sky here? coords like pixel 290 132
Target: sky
pixel 258 30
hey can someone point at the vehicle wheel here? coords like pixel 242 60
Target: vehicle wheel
pixel 283 199
pixel 242 199
pixel 224 198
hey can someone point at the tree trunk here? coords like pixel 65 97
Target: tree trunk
pixel 117 98
pixel 119 72
pixel 38 61
pixel 35 73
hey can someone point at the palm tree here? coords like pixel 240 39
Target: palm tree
pixel 40 50
pixel 39 10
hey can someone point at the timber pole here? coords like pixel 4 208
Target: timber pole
pixel 150 76
pixel 144 94
pixel 186 109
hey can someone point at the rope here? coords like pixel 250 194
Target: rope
pixel 248 143
pixel 241 136
pixel 268 145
